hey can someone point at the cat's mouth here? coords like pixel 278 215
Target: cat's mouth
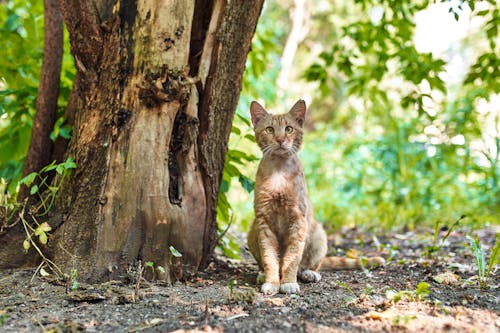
pixel 281 149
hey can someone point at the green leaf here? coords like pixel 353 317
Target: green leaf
pixel 65 132
pixel 26 245
pixel 69 163
pixel 250 137
pixel 495 253
pixel 224 186
pixel 50 167
pixel 45 227
pixel 149 264
pixel 34 189
pixel 43 238
pixel 60 169
pixel 230 248
pixel 247 183
pixel 28 179
pixel 235 130
pixel 174 251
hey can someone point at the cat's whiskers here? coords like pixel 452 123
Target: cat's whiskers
pixel 266 149
pixel 294 149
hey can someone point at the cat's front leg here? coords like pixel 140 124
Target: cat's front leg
pixel 292 257
pixel 269 251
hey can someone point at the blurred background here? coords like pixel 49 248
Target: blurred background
pixel 403 124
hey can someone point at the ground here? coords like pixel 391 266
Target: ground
pixel 420 289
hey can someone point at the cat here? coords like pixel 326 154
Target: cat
pixel 284 238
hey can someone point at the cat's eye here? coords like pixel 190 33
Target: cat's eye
pixel 270 130
pixel 288 129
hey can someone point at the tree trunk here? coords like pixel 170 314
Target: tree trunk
pixel 40 149
pixel 158 86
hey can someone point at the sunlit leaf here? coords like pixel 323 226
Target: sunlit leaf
pixel 174 251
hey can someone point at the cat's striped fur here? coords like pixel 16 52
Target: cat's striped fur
pixel 284 238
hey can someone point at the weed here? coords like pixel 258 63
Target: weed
pixel 3 317
pixel 40 231
pixel 47 197
pixel 422 291
pixel 483 269
pixel 345 286
pixel 419 294
pixel 173 252
pixel 403 320
pixel 35 230
pixel 151 266
pixel 235 295
pixel 74 279
pixel 437 243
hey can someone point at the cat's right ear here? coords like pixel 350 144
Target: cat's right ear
pixel 257 112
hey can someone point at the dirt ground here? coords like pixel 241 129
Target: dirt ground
pixel 226 299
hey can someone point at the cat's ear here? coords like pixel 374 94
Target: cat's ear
pixel 257 112
pixel 298 111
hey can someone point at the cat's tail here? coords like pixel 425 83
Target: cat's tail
pixel 338 263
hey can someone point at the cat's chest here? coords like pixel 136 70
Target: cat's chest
pixel 280 190
pixel 278 183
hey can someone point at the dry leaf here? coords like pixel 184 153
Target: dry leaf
pixel 352 253
pixel 447 278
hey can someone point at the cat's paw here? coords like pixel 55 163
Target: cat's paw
pixel 309 276
pixel 270 288
pixel 290 288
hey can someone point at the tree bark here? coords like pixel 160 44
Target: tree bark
pixel 40 149
pixel 158 84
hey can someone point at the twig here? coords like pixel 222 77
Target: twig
pixel 225 231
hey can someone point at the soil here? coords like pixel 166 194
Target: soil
pixel 402 296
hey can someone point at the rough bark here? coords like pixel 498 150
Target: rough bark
pixel 158 84
pixel 40 149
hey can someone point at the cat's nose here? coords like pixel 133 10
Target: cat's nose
pixel 280 141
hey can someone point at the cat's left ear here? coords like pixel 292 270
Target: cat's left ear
pixel 257 112
pixel 298 111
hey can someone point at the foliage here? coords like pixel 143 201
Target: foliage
pixel 405 145
pixel 21 41
pixel 391 140
pixel 36 180
pixel 411 157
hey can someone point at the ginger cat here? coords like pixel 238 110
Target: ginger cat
pixel 284 238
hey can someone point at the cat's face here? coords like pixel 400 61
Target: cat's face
pixel 278 134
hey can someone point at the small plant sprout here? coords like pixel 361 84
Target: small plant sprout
pixel 422 291
pixel 153 269
pixel 483 269
pixel 419 294
pixel 174 252
pixel 74 279
pixel 3 317
pixel 437 243
pixel 151 266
